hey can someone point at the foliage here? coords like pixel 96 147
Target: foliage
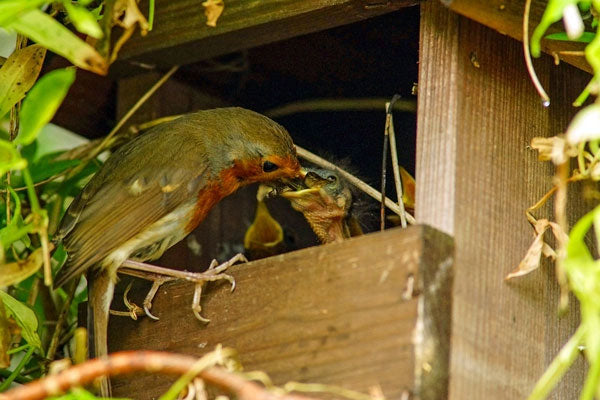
pixel 35 185
pixel 577 268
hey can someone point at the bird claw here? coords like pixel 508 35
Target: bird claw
pixel 133 309
pixel 160 275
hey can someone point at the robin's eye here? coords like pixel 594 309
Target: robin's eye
pixel 268 166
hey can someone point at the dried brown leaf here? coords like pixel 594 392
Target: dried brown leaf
pixel 532 258
pixel 213 10
pixel 127 15
pixel 555 148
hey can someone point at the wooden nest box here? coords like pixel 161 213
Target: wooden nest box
pixel 380 309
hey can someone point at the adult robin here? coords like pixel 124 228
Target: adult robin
pixel 156 189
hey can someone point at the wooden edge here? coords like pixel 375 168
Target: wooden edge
pixel 507 18
pixel 356 314
pixel 432 332
pixel 237 29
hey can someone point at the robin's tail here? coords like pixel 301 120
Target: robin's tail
pixel 100 294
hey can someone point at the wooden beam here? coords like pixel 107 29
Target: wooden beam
pixel 476 176
pixel 181 36
pixel 506 16
pixel 374 310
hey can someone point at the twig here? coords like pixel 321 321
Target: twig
pixel 40 224
pixel 127 362
pixel 150 124
pixel 395 166
pixel 64 312
pixel 315 159
pixel 527 54
pixel 386 138
pixel 579 53
pixel 340 104
pixel 560 212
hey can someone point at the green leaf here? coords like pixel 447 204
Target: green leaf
pixel 42 102
pixel 553 13
pixel 29 152
pixel 18 74
pixel 45 30
pixel 586 37
pixel 592 55
pixel 47 167
pixel 11 9
pixel 16 230
pixel 24 317
pixel 10 158
pixel 84 20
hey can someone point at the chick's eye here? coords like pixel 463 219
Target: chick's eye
pixel 268 166
pixel 332 178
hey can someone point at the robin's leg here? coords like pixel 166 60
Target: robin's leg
pixel 160 275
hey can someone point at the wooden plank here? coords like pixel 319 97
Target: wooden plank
pixel 506 16
pixel 340 314
pixel 503 334
pixel 181 36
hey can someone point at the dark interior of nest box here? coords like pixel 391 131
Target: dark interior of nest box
pixel 375 58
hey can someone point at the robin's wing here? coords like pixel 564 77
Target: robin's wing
pixel 125 198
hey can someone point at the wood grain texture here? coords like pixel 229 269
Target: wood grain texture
pixel 503 334
pixel 506 16
pixel 338 314
pixel 181 36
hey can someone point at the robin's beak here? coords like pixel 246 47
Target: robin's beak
pixel 303 173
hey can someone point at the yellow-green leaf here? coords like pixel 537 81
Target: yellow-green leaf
pixel 11 9
pixel 84 20
pixel 41 103
pixel 18 74
pixel 5 338
pixel 48 32
pixel 25 318
pixel 10 158
pixel 15 272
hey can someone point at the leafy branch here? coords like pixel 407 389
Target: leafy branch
pixel 577 269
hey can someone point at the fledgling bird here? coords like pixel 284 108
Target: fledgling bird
pixel 325 201
pixel 156 189
pixel 331 206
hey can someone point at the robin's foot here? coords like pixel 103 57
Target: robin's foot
pixel 160 275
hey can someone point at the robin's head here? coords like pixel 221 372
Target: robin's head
pixel 249 146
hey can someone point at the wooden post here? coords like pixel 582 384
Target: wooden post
pixel 476 176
